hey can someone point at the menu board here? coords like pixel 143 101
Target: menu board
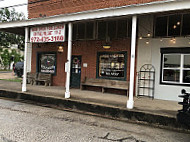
pixel 112 65
pixel 47 63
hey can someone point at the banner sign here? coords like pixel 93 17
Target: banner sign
pixel 54 33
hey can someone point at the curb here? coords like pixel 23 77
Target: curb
pixel 121 114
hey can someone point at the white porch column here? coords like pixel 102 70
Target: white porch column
pixel 25 59
pixel 69 50
pixel 130 102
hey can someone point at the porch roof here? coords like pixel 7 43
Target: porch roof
pixel 18 27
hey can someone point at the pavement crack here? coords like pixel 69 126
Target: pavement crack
pixel 130 138
pixel 4 139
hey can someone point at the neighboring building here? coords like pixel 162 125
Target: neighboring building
pixel 104 42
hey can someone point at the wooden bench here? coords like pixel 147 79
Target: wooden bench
pixel 105 83
pixel 42 77
pixel 31 77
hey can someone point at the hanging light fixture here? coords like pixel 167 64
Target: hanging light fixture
pixel 173 40
pixel 107 44
pixel 147 42
pixel 148 35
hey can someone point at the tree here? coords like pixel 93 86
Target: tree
pixel 8 39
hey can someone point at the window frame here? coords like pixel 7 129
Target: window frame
pixel 176 51
pixel 85 31
pixel 112 78
pixel 38 62
pixel 167 33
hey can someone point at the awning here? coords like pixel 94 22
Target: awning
pixel 136 9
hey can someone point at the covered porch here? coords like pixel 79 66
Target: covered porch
pixel 132 11
pixel 142 104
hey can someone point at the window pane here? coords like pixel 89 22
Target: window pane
pixel 186 24
pixel 112 29
pixel 186 61
pixel 81 31
pixel 102 30
pixel 174 25
pixel 122 28
pixel 90 30
pixel 172 61
pixel 112 65
pixel 186 76
pixel 161 26
pixel 74 31
pixel 171 75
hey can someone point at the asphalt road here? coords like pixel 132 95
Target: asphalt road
pixel 20 122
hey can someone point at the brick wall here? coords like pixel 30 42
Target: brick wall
pixel 88 50
pixel 56 7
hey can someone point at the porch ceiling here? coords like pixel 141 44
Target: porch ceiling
pixel 136 9
pixel 15 30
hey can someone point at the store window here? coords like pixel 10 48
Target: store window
pixel 83 31
pixel 172 25
pixel 112 65
pixel 114 29
pixel 47 63
pixel 175 67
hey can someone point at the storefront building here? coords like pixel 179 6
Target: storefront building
pixel 74 40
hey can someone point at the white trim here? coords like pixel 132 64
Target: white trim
pixel 181 69
pixel 130 102
pixel 69 54
pixel 25 60
pixel 154 7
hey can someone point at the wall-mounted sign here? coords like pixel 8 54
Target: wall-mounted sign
pixel 54 33
pixel 47 63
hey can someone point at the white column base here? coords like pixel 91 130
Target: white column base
pixel 23 88
pixel 67 95
pixel 130 104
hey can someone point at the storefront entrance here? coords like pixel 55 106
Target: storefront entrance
pixel 76 71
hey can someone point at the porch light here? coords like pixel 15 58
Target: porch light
pixel 107 43
pixel 60 49
pixel 173 40
pixel 147 42
pixel 106 46
pixel 178 23
pixel 174 27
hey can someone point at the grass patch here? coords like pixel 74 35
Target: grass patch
pixel 5 70
pixel 13 80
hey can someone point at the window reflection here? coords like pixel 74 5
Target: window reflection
pixel 171 75
pixel 172 61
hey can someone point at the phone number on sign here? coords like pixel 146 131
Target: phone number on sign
pixel 47 39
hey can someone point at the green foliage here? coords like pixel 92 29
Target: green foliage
pixel 7 39
pixel 8 57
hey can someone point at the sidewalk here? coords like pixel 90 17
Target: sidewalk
pixel 147 111
pixel 158 107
